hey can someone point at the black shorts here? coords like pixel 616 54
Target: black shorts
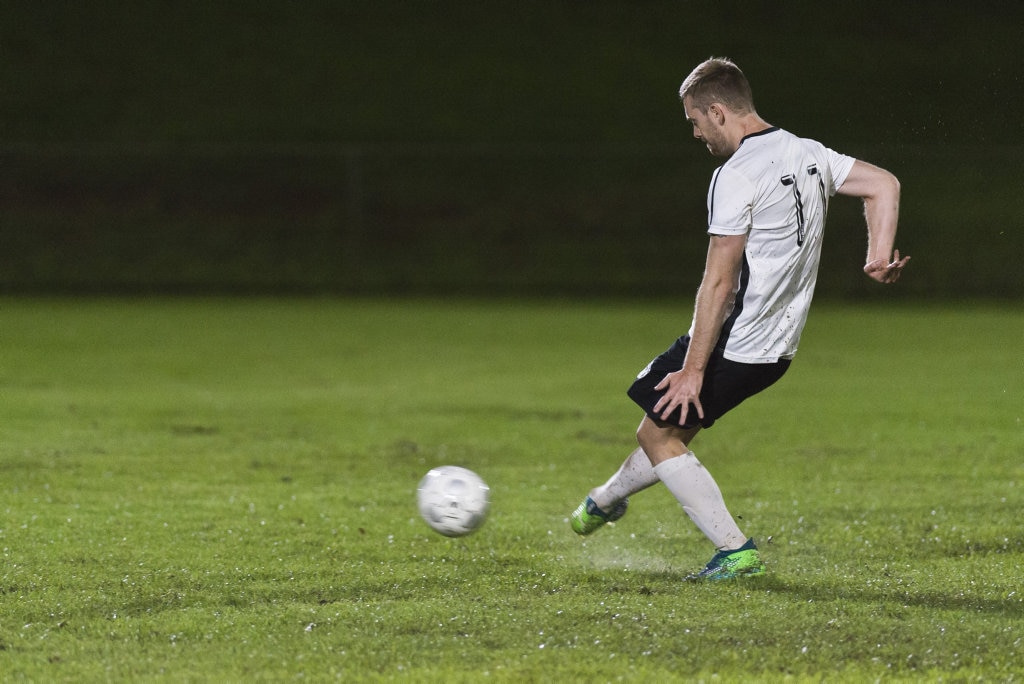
pixel 726 384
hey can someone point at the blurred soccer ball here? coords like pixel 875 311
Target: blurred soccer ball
pixel 453 500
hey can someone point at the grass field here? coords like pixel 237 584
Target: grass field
pixel 223 490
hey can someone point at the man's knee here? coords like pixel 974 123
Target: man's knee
pixel 661 441
pixel 648 434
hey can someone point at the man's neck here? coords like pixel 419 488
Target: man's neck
pixel 753 123
pixel 749 124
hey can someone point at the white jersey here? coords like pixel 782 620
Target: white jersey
pixel 775 190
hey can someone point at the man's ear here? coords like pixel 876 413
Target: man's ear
pixel 716 113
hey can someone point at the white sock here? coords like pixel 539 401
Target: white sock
pixel 636 474
pixel 701 499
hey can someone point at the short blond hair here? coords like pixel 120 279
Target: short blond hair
pixel 718 80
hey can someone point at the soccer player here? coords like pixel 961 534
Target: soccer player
pixel 766 216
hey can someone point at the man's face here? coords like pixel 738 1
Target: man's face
pixel 706 128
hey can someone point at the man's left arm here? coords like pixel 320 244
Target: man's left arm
pixel 880 191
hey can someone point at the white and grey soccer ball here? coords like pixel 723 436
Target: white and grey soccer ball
pixel 453 500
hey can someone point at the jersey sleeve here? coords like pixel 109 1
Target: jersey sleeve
pixel 730 203
pixel 840 164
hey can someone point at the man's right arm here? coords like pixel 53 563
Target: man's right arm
pixel 715 299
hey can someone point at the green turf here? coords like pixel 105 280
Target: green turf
pixel 223 490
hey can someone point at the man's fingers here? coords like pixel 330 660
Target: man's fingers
pixel 669 407
pixel 886 272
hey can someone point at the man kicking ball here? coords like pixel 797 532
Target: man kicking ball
pixel 766 216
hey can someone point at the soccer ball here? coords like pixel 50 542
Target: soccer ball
pixel 453 500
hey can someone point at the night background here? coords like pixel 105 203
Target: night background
pixel 490 148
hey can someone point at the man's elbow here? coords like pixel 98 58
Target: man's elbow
pixel 892 185
pixel 884 189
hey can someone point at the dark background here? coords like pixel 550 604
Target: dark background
pixel 509 148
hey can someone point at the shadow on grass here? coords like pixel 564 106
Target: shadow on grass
pixel 957 598
pixel 883 591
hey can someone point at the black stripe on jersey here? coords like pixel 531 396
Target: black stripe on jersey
pixel 737 308
pixel 711 196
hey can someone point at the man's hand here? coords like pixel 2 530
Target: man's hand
pixel 886 272
pixel 682 390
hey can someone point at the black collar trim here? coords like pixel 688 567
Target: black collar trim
pixel 766 131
